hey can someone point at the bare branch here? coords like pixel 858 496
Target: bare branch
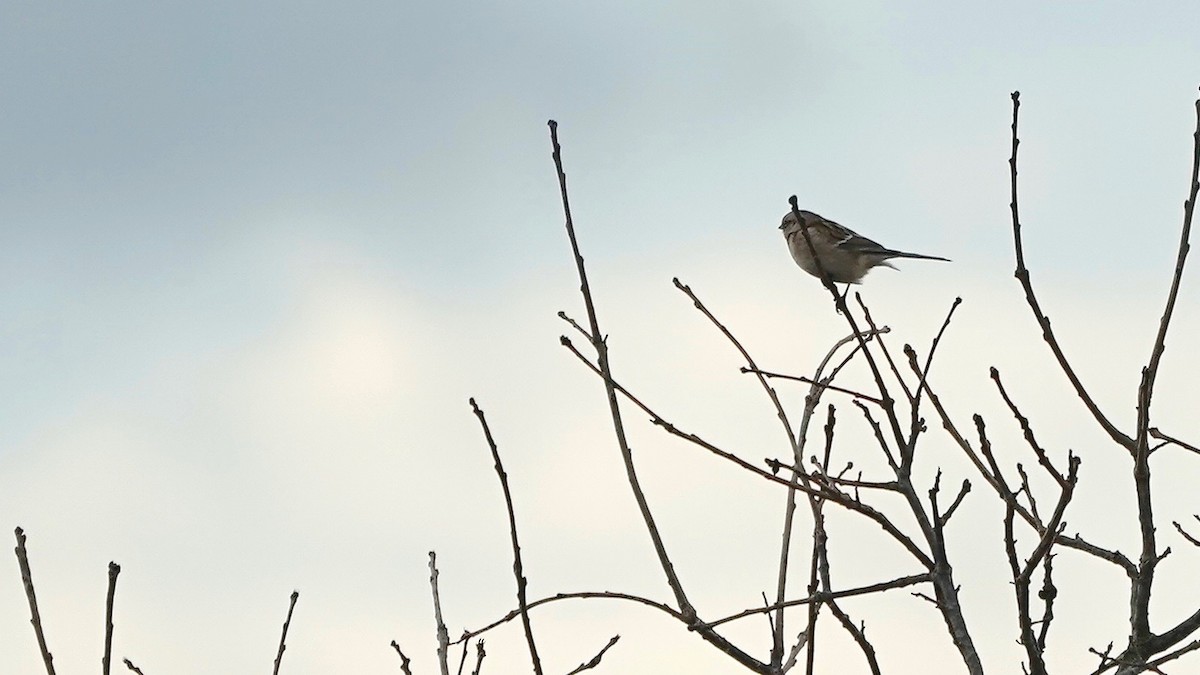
pixel 518 569
pixel 602 364
pixel 35 616
pixel 480 653
pixel 1075 542
pixel 595 661
pixel 443 636
pixel 1150 373
pixel 1027 430
pixel 822 596
pixel 1155 433
pixel 106 662
pixel 583 595
pixel 806 380
pixel 962 493
pixel 129 665
pixel 1193 540
pixel 283 637
pixel 1022 275
pixel 404 660
pixel 887 354
pixel 858 634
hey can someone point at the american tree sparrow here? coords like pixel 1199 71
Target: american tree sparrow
pixel 846 255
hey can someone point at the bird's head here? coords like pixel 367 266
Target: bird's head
pixel 791 225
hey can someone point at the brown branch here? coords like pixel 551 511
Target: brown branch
pixel 404 660
pixel 887 354
pixel 858 634
pixel 1034 645
pixel 1150 373
pixel 583 595
pixel 807 380
pixel 35 616
pixel 1022 275
pixel 819 383
pixel 1075 542
pixel 1027 430
pixel 916 422
pixel 1155 433
pixel 602 363
pixel 822 596
pixel 842 499
pixel 821 545
pixel 129 665
pixel 518 569
pixel 891 460
pixel 462 659
pixel 1047 594
pixel 1192 540
pixel 443 636
pixel 480 653
pixel 113 570
pixel 595 661
pixel 283 637
pixel 962 493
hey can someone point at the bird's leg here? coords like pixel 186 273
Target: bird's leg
pixel 844 296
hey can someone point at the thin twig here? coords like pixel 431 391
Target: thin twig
pixel 35 616
pixel 283 637
pixel 518 569
pixel 1193 540
pixel 462 660
pixel 1155 433
pixel 1150 372
pixel 443 636
pixel 822 596
pixel 113 570
pixel 404 660
pixel 808 380
pixel 129 665
pixel 1022 275
pixel 795 440
pixel 843 500
pixel 480 653
pixel 602 363
pixel 595 660
pixel 887 353
pixel 584 595
pixel 1076 542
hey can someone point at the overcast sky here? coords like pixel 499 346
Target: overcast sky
pixel 255 257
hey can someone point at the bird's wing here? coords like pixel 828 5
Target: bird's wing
pixel 849 240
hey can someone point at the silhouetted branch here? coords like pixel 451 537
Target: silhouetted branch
pixel 283 637
pixel 595 660
pixel 602 364
pixel 113 570
pixel 807 380
pixel 822 596
pixel 1022 275
pixel 796 441
pixel 35 616
pixel 585 595
pixel 404 660
pixel 1155 433
pixel 518 569
pixel 443 636
pixel 479 654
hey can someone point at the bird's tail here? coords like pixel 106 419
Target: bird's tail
pixel 919 256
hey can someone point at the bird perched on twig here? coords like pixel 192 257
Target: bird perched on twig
pixel 846 255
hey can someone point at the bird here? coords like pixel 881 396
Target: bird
pixel 845 255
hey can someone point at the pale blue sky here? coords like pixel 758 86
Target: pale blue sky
pixel 255 256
